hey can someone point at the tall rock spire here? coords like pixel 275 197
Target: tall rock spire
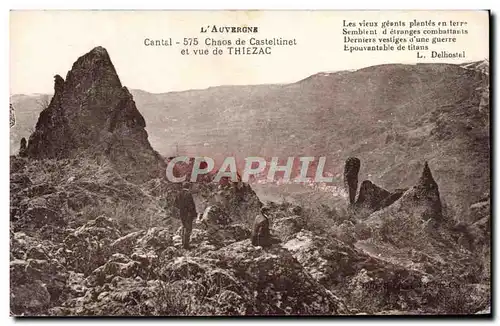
pixel 426 190
pixel 351 171
pixel 426 180
pixel 92 114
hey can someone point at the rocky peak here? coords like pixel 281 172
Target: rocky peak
pixel 427 190
pixel 421 202
pixel 93 70
pixel 58 84
pixel 426 180
pixel 92 114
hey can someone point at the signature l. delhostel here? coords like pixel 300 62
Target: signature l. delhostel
pixel 446 54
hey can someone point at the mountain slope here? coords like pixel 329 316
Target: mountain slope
pixel 393 117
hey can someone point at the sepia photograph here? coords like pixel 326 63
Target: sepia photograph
pixel 250 163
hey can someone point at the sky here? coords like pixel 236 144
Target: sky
pixel 45 43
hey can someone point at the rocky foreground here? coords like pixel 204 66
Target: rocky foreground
pixel 84 241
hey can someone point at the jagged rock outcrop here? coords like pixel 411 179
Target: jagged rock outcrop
pixel 286 227
pixel 424 197
pixel 237 199
pixel 92 114
pixel 418 213
pixel 371 198
pixel 426 193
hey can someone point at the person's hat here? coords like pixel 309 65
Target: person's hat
pixel 265 209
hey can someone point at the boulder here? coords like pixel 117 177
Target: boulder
pixel 214 216
pixel 40 275
pixel 286 227
pixel 372 198
pixel 31 299
pixel 89 246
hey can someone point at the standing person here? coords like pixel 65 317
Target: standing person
pixel 187 213
pixel 261 235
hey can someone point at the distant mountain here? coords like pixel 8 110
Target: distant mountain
pixel 27 108
pixel 482 65
pixel 393 117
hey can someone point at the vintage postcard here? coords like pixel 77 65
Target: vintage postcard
pixel 250 163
